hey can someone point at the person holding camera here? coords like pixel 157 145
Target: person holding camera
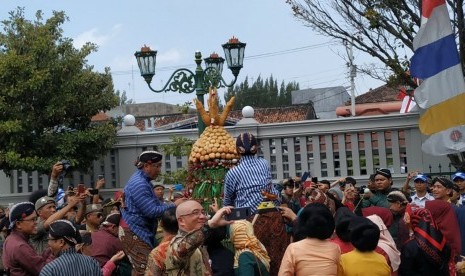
pixel 185 254
pixel 291 194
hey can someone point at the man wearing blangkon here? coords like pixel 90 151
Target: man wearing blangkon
pixel 244 184
pixel 142 209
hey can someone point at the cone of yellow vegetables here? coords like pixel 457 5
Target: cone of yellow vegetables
pixel 212 154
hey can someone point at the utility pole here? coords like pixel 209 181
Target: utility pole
pixel 352 74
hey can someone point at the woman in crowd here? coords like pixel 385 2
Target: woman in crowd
pixel 427 253
pixel 342 237
pixel 349 197
pixel 314 255
pixel 387 245
pixel 250 256
pixel 363 260
pixel 443 214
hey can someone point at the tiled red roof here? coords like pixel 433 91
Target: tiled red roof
pixel 383 93
pixel 99 117
pixel 280 114
pixel 262 115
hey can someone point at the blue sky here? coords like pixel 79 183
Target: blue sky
pixel 277 43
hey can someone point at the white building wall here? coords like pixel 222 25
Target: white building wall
pixel 328 148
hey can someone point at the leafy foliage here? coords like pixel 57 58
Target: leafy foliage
pixel 179 147
pixel 48 95
pixel 179 176
pixel 123 98
pixel 262 93
pixel 383 28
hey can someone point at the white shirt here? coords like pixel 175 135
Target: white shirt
pixel 420 201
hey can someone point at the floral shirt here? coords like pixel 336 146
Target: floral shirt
pixel 185 255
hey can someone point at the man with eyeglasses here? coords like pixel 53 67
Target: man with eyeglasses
pixel 19 258
pixel 62 239
pixel 94 217
pixel 142 210
pixel 186 254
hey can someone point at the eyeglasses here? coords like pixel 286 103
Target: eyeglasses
pixel 31 219
pixel 195 213
pixel 99 215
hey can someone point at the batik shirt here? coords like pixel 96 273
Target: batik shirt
pixel 187 256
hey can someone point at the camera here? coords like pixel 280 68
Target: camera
pixel 66 168
pixel 66 165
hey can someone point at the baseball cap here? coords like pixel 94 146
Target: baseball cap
pixel 112 219
pixel 460 175
pixel 421 177
pixel 93 208
pixel 157 184
pixel 41 202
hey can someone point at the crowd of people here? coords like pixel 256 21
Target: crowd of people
pixel 298 227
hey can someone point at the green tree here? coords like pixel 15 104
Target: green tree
pixel 123 98
pixel 178 147
pixel 48 95
pixel 382 28
pixel 262 93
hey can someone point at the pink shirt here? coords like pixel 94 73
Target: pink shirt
pixel 311 257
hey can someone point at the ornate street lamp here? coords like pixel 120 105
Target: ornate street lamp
pixel 185 81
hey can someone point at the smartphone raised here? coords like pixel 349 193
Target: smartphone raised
pixel 70 191
pixel 239 213
pixel 305 176
pixel 81 189
pixel 100 177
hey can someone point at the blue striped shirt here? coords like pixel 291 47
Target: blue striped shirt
pixel 70 263
pixel 245 182
pixel 142 207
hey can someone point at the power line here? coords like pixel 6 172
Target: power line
pixel 258 56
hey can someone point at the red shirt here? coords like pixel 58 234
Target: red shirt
pixel 19 258
pixel 104 246
pixel 345 247
pixel 350 205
